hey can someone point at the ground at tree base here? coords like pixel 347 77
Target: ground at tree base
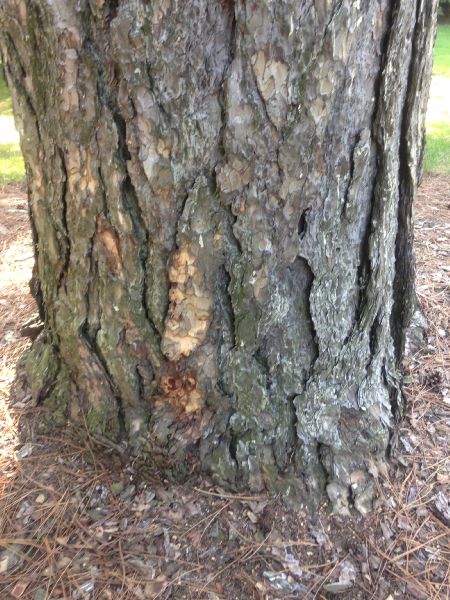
pixel 76 523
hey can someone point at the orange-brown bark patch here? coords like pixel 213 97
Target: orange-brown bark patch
pixel 181 391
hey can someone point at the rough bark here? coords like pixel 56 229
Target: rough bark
pixel 220 196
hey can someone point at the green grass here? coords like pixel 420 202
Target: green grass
pixel 11 164
pixel 5 99
pixel 437 149
pixel 12 169
pixel 441 65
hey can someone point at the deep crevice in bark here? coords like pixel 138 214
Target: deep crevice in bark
pixel 364 266
pixel 260 357
pixel 373 335
pixel 111 7
pixel 302 223
pixel 307 289
pixel 95 349
pixel 233 446
pixel 351 172
pixel 226 307
pixel 293 439
pixel 403 292
pixel 90 329
pixel 64 219
pixel 131 203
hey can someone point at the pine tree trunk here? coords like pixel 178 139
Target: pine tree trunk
pixel 220 196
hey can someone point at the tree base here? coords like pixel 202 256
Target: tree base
pixel 178 447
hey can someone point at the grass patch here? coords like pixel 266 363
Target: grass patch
pixel 441 65
pixel 11 164
pixel 437 149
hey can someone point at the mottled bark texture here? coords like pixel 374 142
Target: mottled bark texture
pixel 220 196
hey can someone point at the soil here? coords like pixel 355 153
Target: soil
pixel 78 522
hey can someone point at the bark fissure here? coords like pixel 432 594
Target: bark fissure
pixel 131 203
pixel 351 171
pixel 93 345
pixel 364 267
pixel 334 13
pixel 65 222
pixel 143 235
pixel 90 329
pixel 410 159
pixel 303 224
pixel 224 280
pixel 401 310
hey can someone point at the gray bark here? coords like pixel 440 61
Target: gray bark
pixel 220 196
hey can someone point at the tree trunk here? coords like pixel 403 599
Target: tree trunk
pixel 220 196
